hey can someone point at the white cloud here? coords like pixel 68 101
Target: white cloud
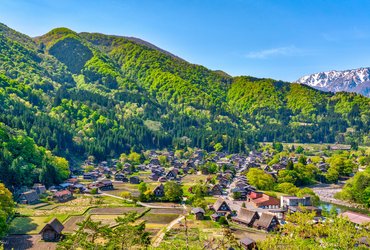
pixel 280 51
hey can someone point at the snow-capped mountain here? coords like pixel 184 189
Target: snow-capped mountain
pixel 355 80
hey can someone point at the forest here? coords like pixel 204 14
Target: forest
pixel 81 94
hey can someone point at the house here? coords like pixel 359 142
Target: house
pixel 63 196
pixel 52 231
pixel 159 191
pixel 310 209
pixel 39 188
pixel 221 207
pixel 356 218
pixel 106 185
pixel 215 217
pixel 29 197
pixel 267 222
pixel 135 180
pixel 162 179
pixel 287 201
pixel 246 217
pixel 155 161
pixel 297 204
pixel 90 176
pixel 261 200
pixel 198 212
pixel 248 243
pixel 120 177
pixel 171 175
pixel 216 190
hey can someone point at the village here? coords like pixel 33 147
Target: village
pixel 107 189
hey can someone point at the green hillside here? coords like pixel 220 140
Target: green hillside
pixel 93 94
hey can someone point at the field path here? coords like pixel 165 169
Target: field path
pixel 114 196
pixel 161 234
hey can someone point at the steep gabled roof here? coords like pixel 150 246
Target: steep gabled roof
pixel 265 220
pixel 55 224
pixel 246 216
pixel 219 203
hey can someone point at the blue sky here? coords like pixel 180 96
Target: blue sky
pixel 278 39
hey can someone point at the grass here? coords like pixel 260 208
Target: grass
pixel 116 210
pixel 27 225
pixel 162 219
pixel 71 224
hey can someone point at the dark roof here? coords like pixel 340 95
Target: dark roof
pixel 356 218
pixel 30 195
pixel 198 210
pixel 160 187
pixel 247 241
pixel 245 215
pixel 218 204
pixel 265 220
pixel 55 224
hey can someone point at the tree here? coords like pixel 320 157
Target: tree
pixel 93 235
pixel 307 191
pixel 173 191
pixel 6 208
pixel 237 195
pixel 299 150
pixel 134 158
pixel 301 233
pixel 142 187
pixel 125 194
pixel 290 165
pixel 223 221
pixel 218 147
pixel 287 188
pixel 200 202
pixel 302 160
pixel 261 180
pixel 278 146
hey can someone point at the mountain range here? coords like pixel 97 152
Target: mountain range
pixel 355 80
pixel 81 94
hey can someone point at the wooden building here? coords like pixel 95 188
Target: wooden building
pixel 52 231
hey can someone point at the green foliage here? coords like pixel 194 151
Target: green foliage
pixel 340 165
pixel 91 94
pixel 72 52
pixel 301 233
pixel 357 189
pixel 6 208
pixel 23 163
pixel 173 191
pixel 261 180
pixel 287 188
pixel 223 221
pixel 218 147
pixel 307 191
pixel 93 235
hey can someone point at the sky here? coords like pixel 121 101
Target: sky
pixel 281 39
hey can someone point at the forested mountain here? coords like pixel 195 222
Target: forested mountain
pixel 80 94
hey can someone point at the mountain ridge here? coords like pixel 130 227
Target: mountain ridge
pixel 80 94
pixel 353 80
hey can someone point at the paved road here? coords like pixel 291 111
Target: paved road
pixel 161 234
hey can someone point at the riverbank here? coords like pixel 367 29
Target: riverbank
pixel 326 193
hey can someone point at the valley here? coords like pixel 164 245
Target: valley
pixel 109 142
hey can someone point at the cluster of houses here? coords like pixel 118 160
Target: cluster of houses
pixel 260 210
pixel 62 192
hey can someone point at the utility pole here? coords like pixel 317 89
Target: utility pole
pixel 186 234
